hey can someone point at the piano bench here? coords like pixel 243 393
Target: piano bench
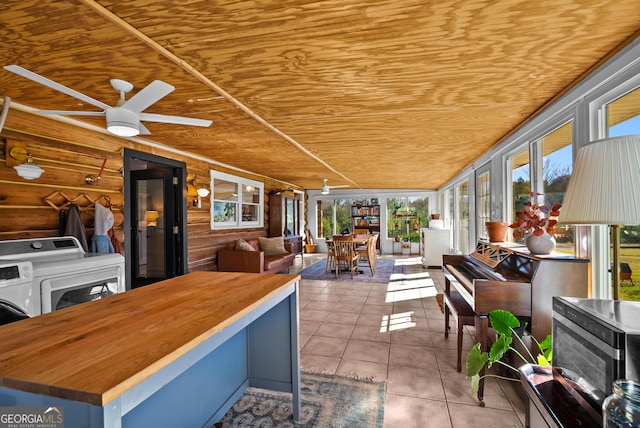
pixel 455 305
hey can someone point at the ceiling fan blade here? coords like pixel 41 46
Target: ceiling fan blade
pixel 143 129
pixel 152 117
pixel 150 94
pixel 339 186
pixel 54 85
pixel 71 112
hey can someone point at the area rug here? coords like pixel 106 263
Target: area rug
pixel 328 401
pixel 384 270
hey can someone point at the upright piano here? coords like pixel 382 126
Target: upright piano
pixel 509 278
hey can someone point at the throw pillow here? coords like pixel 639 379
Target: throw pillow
pixel 242 245
pixel 273 245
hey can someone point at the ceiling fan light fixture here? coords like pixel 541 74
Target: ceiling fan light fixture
pixel 325 190
pixel 123 122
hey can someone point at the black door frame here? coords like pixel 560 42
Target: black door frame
pixel 180 214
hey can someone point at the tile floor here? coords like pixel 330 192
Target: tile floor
pixel 395 333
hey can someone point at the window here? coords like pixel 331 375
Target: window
pixel 236 202
pixel 333 216
pixel 405 215
pixel 483 199
pixel 557 165
pixel 463 218
pixel 520 182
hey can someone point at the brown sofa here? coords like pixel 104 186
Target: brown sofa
pixel 232 260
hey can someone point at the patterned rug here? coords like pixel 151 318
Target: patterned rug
pixel 328 401
pixel 384 270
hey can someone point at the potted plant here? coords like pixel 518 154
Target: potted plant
pixel 496 228
pixel 531 220
pixel 507 327
pixel 406 245
pixel 414 239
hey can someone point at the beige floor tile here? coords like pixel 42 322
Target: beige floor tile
pixel 412 336
pixel 464 416
pixel 413 356
pixel 415 382
pixel 377 309
pixel 371 319
pixel 448 359
pixel 322 297
pixel 325 346
pixel 411 412
pixel 349 298
pixel 372 333
pixel 342 318
pixel 366 350
pixel 329 329
pixel 319 363
pixel 363 369
pixel 451 342
pixel 313 315
pixel 436 324
pixel 352 308
pixel 319 306
pixel 308 327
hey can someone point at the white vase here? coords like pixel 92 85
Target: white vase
pixel 543 244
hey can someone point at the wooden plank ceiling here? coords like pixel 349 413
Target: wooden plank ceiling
pixel 371 94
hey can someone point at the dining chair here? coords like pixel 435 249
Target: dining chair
pixel 346 257
pixel 331 257
pixel 369 253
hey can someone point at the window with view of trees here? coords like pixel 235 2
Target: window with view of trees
pixel 520 182
pixel 333 216
pixel 406 215
pixel 556 170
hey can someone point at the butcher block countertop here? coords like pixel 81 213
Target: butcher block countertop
pixel 96 351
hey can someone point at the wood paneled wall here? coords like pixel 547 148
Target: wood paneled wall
pixel 68 154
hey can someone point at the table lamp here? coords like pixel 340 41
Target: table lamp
pixel 605 189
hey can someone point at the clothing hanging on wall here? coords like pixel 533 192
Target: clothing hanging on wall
pixel 100 242
pixel 75 227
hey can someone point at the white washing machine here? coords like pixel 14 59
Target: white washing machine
pixel 46 274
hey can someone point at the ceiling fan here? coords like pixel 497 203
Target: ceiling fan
pixel 326 187
pixel 124 118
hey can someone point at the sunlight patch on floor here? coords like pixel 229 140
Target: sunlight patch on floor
pixel 398 321
pixel 408 261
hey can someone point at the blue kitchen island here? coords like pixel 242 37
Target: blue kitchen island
pixel 177 353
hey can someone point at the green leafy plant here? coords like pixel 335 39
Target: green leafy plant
pixel 505 325
pixel 414 237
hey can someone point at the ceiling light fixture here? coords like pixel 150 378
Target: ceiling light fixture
pixel 123 122
pixel 28 170
pixel 203 192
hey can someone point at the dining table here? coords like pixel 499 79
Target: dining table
pixel 358 240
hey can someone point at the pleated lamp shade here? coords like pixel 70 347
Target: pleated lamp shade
pixel 605 184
